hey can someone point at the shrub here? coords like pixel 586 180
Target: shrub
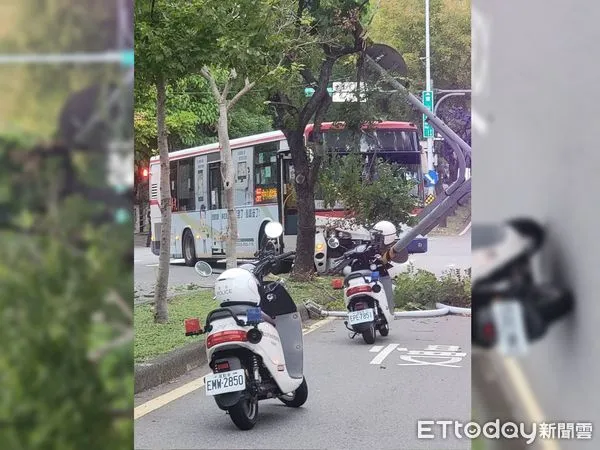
pixel 420 289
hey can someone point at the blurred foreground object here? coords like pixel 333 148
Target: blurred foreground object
pixel 509 309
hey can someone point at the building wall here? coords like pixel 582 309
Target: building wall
pixel 539 157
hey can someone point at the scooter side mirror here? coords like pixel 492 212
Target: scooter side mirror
pixel 203 269
pixel 273 230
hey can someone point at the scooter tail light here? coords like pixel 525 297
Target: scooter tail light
pixel 358 290
pixel 489 332
pixel 222 337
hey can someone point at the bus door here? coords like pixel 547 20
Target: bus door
pixel 288 210
pixel 215 212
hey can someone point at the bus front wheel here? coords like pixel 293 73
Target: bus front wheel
pixel 189 249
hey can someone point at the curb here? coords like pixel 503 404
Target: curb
pixel 169 366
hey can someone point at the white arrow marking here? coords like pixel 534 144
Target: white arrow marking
pixel 383 354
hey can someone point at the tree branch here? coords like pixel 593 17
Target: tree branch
pixel 225 93
pixel 240 94
pixel 205 72
pixel 114 298
pixel 320 91
pixel 99 353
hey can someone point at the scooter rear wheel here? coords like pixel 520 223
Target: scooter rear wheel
pixel 369 335
pixel 296 398
pixel 245 413
pixel 384 329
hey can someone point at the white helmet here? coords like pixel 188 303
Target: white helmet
pixel 237 285
pixel 495 247
pixel 387 230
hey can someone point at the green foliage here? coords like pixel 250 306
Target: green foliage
pixel 402 26
pixel 66 380
pixel 383 192
pixel 152 339
pixel 33 95
pixel 192 116
pixel 420 289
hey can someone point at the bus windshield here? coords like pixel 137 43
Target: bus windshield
pixel 398 146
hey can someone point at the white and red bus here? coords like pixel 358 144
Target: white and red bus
pixel 263 181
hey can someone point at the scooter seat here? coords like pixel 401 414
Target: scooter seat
pixel 239 310
pixel 357 274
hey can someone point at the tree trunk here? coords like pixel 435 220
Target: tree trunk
pixel 162 281
pixel 305 195
pixel 228 175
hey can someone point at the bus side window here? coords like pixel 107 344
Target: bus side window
pixel 186 200
pixel 265 173
pixel 215 186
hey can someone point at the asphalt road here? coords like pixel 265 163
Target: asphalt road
pixel 358 397
pixel 444 252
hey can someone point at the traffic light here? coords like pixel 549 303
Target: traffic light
pixel 144 173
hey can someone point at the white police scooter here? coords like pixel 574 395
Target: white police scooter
pixel 368 288
pixel 510 310
pixel 254 341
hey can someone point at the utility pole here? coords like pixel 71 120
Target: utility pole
pixel 428 87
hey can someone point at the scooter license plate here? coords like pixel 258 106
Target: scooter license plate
pixel 510 327
pixel 224 382
pixel 364 315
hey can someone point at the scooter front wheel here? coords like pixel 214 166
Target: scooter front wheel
pixel 369 334
pixel 245 412
pixel 296 398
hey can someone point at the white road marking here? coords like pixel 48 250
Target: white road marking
pixel 162 400
pixel 384 354
pixel 376 348
pixel 151 265
pixel 465 230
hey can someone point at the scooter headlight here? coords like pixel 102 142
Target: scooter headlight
pixel 333 242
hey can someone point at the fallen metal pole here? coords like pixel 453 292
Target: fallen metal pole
pixel 458 190
pixel 441 310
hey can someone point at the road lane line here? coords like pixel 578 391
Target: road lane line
pixel 384 354
pixel 170 396
pixel 188 388
pixel 525 393
pixel 376 348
